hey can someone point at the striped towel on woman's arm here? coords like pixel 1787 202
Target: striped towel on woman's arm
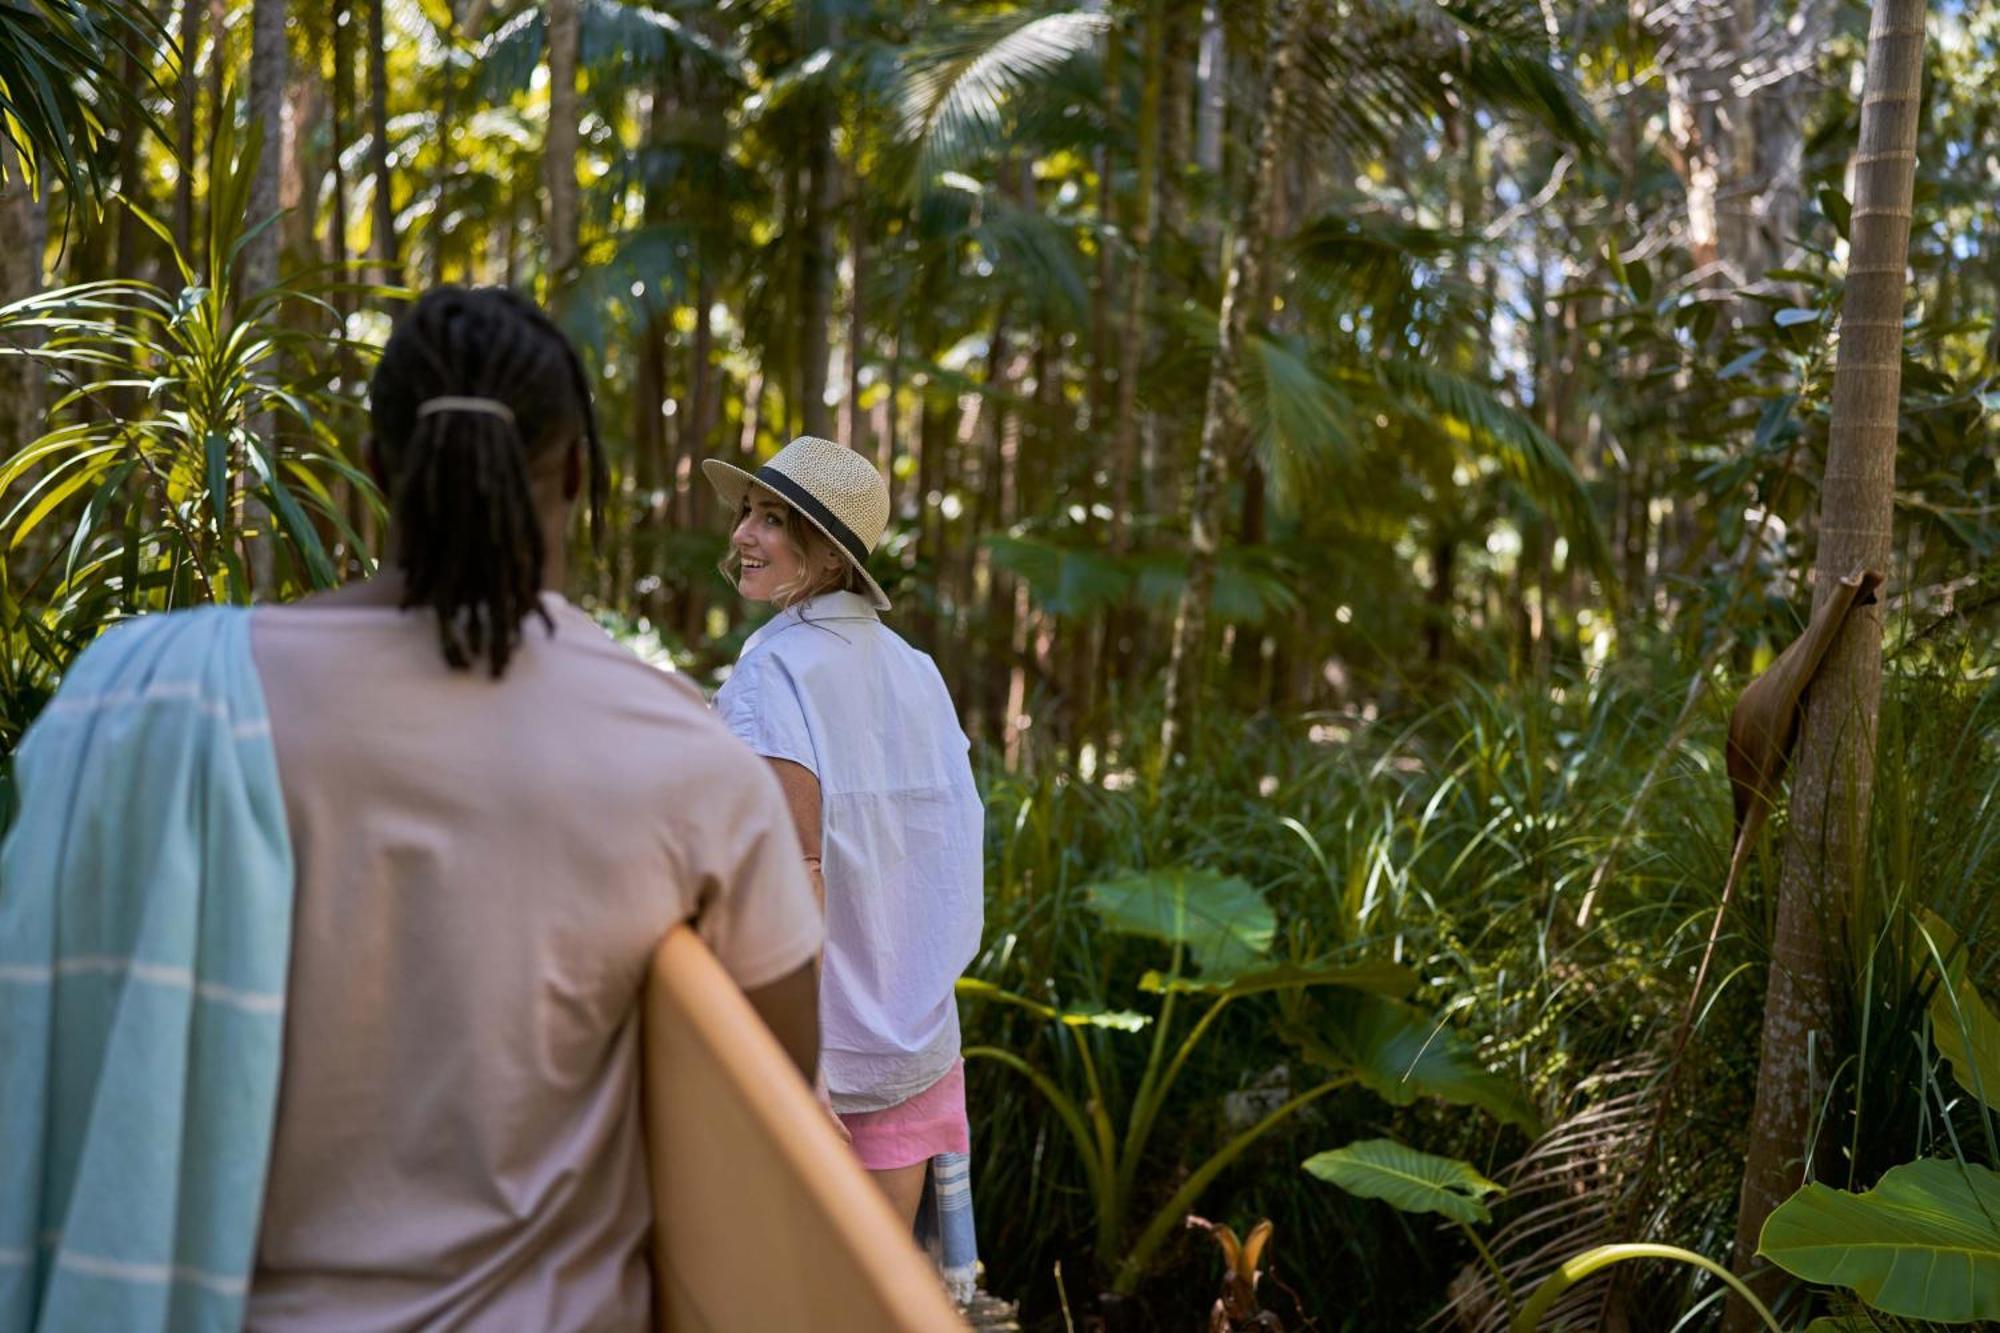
pixel 145 933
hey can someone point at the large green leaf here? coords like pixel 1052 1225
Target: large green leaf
pixel 1923 1244
pixel 1225 924
pixel 1964 1026
pixel 1401 1053
pixel 1415 1182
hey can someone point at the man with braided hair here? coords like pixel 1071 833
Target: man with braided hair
pixel 490 840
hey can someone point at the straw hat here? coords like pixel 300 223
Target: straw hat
pixel 832 487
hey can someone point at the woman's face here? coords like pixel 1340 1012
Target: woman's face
pixel 769 562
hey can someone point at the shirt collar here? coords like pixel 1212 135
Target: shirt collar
pixel 826 606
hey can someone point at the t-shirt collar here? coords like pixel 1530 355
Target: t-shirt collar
pixel 827 606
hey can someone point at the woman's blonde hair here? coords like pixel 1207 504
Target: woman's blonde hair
pixel 809 544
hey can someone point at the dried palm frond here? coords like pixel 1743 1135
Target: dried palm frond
pixel 1567 1193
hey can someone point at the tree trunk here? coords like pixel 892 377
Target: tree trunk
pixel 1242 293
pixel 1825 840
pixel 185 105
pixel 817 257
pixel 24 234
pixel 442 141
pixel 560 143
pixel 338 124
pixel 1138 278
pixel 383 242
pixel 855 429
pixel 260 257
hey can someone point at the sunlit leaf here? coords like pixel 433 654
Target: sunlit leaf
pixel 1408 1180
pixel 1923 1244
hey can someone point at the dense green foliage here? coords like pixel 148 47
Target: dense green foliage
pixel 1519 477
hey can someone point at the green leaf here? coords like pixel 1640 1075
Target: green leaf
pixel 1382 978
pixel 1224 923
pixel 1741 364
pixel 1923 1244
pixel 1837 209
pixel 1786 318
pixel 1408 1180
pixel 1400 1053
pixel 1963 1025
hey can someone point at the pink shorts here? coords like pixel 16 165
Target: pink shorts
pixel 914 1131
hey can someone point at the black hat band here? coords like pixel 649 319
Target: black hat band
pixel 819 513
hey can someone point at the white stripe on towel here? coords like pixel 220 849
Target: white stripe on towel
pixel 151 1274
pixel 255 1002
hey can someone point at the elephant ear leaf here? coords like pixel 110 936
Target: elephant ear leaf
pixel 1964 1026
pixel 1400 1053
pixel 1224 924
pixel 1408 1180
pixel 1923 1244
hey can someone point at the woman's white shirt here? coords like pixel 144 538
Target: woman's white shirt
pixel 829 687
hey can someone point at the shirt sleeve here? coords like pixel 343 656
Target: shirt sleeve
pixel 760 704
pixel 757 911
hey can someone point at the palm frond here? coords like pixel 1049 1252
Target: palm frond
pixel 1536 463
pixel 1564 1195
pixel 957 90
pixel 61 77
pixel 611 33
pixel 1300 420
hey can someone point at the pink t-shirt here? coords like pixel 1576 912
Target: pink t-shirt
pixel 483 870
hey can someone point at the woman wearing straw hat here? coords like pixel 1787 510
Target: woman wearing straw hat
pixel 868 749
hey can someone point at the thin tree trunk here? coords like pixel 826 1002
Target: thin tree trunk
pixel 260 257
pixel 24 234
pixel 560 143
pixel 441 142
pixel 1138 279
pixel 383 241
pixel 1824 861
pixel 186 103
pixel 1242 294
pixel 817 258
pixel 1211 100
pixel 855 432
pixel 338 125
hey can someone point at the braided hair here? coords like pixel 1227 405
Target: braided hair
pixel 469 540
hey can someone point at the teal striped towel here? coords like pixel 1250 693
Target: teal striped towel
pixel 944 1224
pixel 145 931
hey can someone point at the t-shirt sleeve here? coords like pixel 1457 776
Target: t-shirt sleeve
pixel 760 704
pixel 757 911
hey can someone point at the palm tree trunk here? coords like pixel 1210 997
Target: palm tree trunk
pixel 388 267
pixel 1242 293
pixel 1825 841
pixel 560 142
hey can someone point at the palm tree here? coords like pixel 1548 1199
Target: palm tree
pixel 1824 851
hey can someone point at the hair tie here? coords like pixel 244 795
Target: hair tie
pixel 492 407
